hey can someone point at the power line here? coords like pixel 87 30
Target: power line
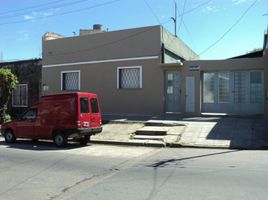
pixel 197 7
pixel 47 8
pixel 152 11
pixel 228 30
pixel 30 7
pixel 183 10
pixel 63 13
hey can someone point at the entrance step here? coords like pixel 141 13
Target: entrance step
pixel 153 130
pixel 148 137
pixel 163 123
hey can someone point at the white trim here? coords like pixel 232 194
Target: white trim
pixel 129 67
pixel 72 71
pixel 102 61
pixel 20 106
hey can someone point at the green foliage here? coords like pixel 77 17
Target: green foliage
pixel 7 118
pixel 8 82
pixel 8 79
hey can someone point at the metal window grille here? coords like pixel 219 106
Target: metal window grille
pixel 129 78
pixel 70 81
pixel 240 87
pixel 224 87
pixel 20 96
pixel 256 87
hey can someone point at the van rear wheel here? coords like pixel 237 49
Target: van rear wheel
pixel 84 140
pixel 60 139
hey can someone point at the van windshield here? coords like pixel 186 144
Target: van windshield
pixel 94 105
pixel 84 105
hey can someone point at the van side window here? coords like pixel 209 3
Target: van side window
pixel 30 114
pixel 94 105
pixel 84 105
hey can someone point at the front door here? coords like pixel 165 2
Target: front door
pixel 190 94
pixel 172 91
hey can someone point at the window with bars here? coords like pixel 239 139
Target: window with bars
pixel 129 77
pixel 224 87
pixel 70 80
pixel 20 96
pixel 256 87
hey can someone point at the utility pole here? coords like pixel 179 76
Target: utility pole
pixel 175 19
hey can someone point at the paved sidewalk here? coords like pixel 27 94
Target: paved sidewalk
pixel 208 132
pixel 242 133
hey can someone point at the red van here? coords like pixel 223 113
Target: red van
pixel 58 117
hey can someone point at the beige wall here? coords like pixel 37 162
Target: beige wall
pixel 102 79
pixel 102 46
pixel 222 65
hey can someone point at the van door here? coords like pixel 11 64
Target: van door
pixel 25 126
pixel 84 112
pixel 95 120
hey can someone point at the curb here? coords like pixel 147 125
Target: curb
pixel 127 143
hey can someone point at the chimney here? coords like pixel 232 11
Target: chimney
pixel 97 28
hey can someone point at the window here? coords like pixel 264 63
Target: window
pixel 70 80
pixel 84 105
pixel 20 96
pixel 129 77
pixel 224 87
pixel 30 114
pixel 94 105
pixel 240 90
pixel 209 87
pixel 256 87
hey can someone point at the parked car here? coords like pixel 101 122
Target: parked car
pixel 59 117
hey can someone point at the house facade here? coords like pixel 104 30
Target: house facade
pixel 28 90
pixel 122 67
pixel 148 71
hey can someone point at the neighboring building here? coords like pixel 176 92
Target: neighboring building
pixel 122 67
pixel 27 91
pixel 234 86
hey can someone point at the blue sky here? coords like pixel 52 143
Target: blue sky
pixel 233 26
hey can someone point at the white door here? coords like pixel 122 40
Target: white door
pixel 190 94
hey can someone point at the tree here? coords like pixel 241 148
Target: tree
pixel 8 82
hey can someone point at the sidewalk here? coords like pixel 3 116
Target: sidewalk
pixel 207 132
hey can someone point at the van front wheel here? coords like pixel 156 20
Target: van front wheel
pixel 84 140
pixel 9 136
pixel 60 139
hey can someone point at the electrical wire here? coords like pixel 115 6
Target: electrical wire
pixel 47 8
pixel 63 13
pixel 228 30
pixel 30 7
pixel 183 11
pixel 152 11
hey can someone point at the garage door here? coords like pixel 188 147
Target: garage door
pixel 237 92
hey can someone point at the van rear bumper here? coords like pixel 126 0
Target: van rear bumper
pixel 89 131
pixel 82 132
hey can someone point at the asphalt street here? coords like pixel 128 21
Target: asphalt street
pixel 41 171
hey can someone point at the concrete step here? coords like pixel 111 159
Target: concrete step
pixel 152 130
pixel 148 137
pixel 163 123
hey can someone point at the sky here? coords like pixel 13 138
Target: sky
pixel 214 29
